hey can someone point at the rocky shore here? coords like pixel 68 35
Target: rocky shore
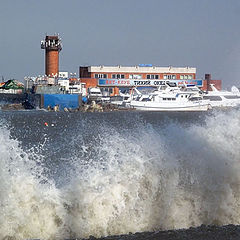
pixel 228 232
pixel 92 107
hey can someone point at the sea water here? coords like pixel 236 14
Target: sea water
pixel 69 175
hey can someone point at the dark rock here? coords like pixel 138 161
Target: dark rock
pixel 203 232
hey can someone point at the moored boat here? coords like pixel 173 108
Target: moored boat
pixel 171 98
pixel 223 98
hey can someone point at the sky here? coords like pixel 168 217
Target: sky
pixel 198 33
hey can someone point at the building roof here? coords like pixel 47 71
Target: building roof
pixel 140 69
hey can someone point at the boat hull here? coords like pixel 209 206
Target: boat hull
pixel 183 108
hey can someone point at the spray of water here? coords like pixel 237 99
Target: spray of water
pixel 28 208
pixel 150 178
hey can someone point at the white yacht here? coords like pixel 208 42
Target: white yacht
pixel 223 98
pixel 124 98
pixel 171 98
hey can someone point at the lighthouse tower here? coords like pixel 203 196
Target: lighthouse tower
pixel 52 46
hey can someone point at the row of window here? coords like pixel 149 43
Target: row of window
pixel 135 76
pixel 118 76
pixel 100 75
pixel 169 99
pixel 218 98
pixel 173 77
pixel 186 77
pixel 139 76
pixel 152 76
pixel 167 76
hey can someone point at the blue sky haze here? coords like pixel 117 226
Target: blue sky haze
pixel 199 33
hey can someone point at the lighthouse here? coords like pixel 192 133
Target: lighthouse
pixel 52 46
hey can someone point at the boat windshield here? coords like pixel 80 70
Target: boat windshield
pixel 213 98
pixel 138 98
pixel 232 97
pixel 146 99
pixel 171 84
pixel 163 87
pixel 195 98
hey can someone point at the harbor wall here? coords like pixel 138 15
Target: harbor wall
pixel 72 101
pixel 36 100
pixel 12 98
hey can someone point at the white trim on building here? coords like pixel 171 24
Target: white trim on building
pixel 138 69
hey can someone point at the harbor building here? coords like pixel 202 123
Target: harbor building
pixel 114 77
pixel 141 71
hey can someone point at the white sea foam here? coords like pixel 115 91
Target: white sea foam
pixel 28 209
pixel 148 179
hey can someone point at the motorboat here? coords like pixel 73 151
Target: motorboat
pixel 171 98
pixel 124 98
pixel 223 98
pixel 217 98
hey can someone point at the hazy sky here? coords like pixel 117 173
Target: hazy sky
pixel 199 33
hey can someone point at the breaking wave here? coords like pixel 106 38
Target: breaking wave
pixel 140 179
